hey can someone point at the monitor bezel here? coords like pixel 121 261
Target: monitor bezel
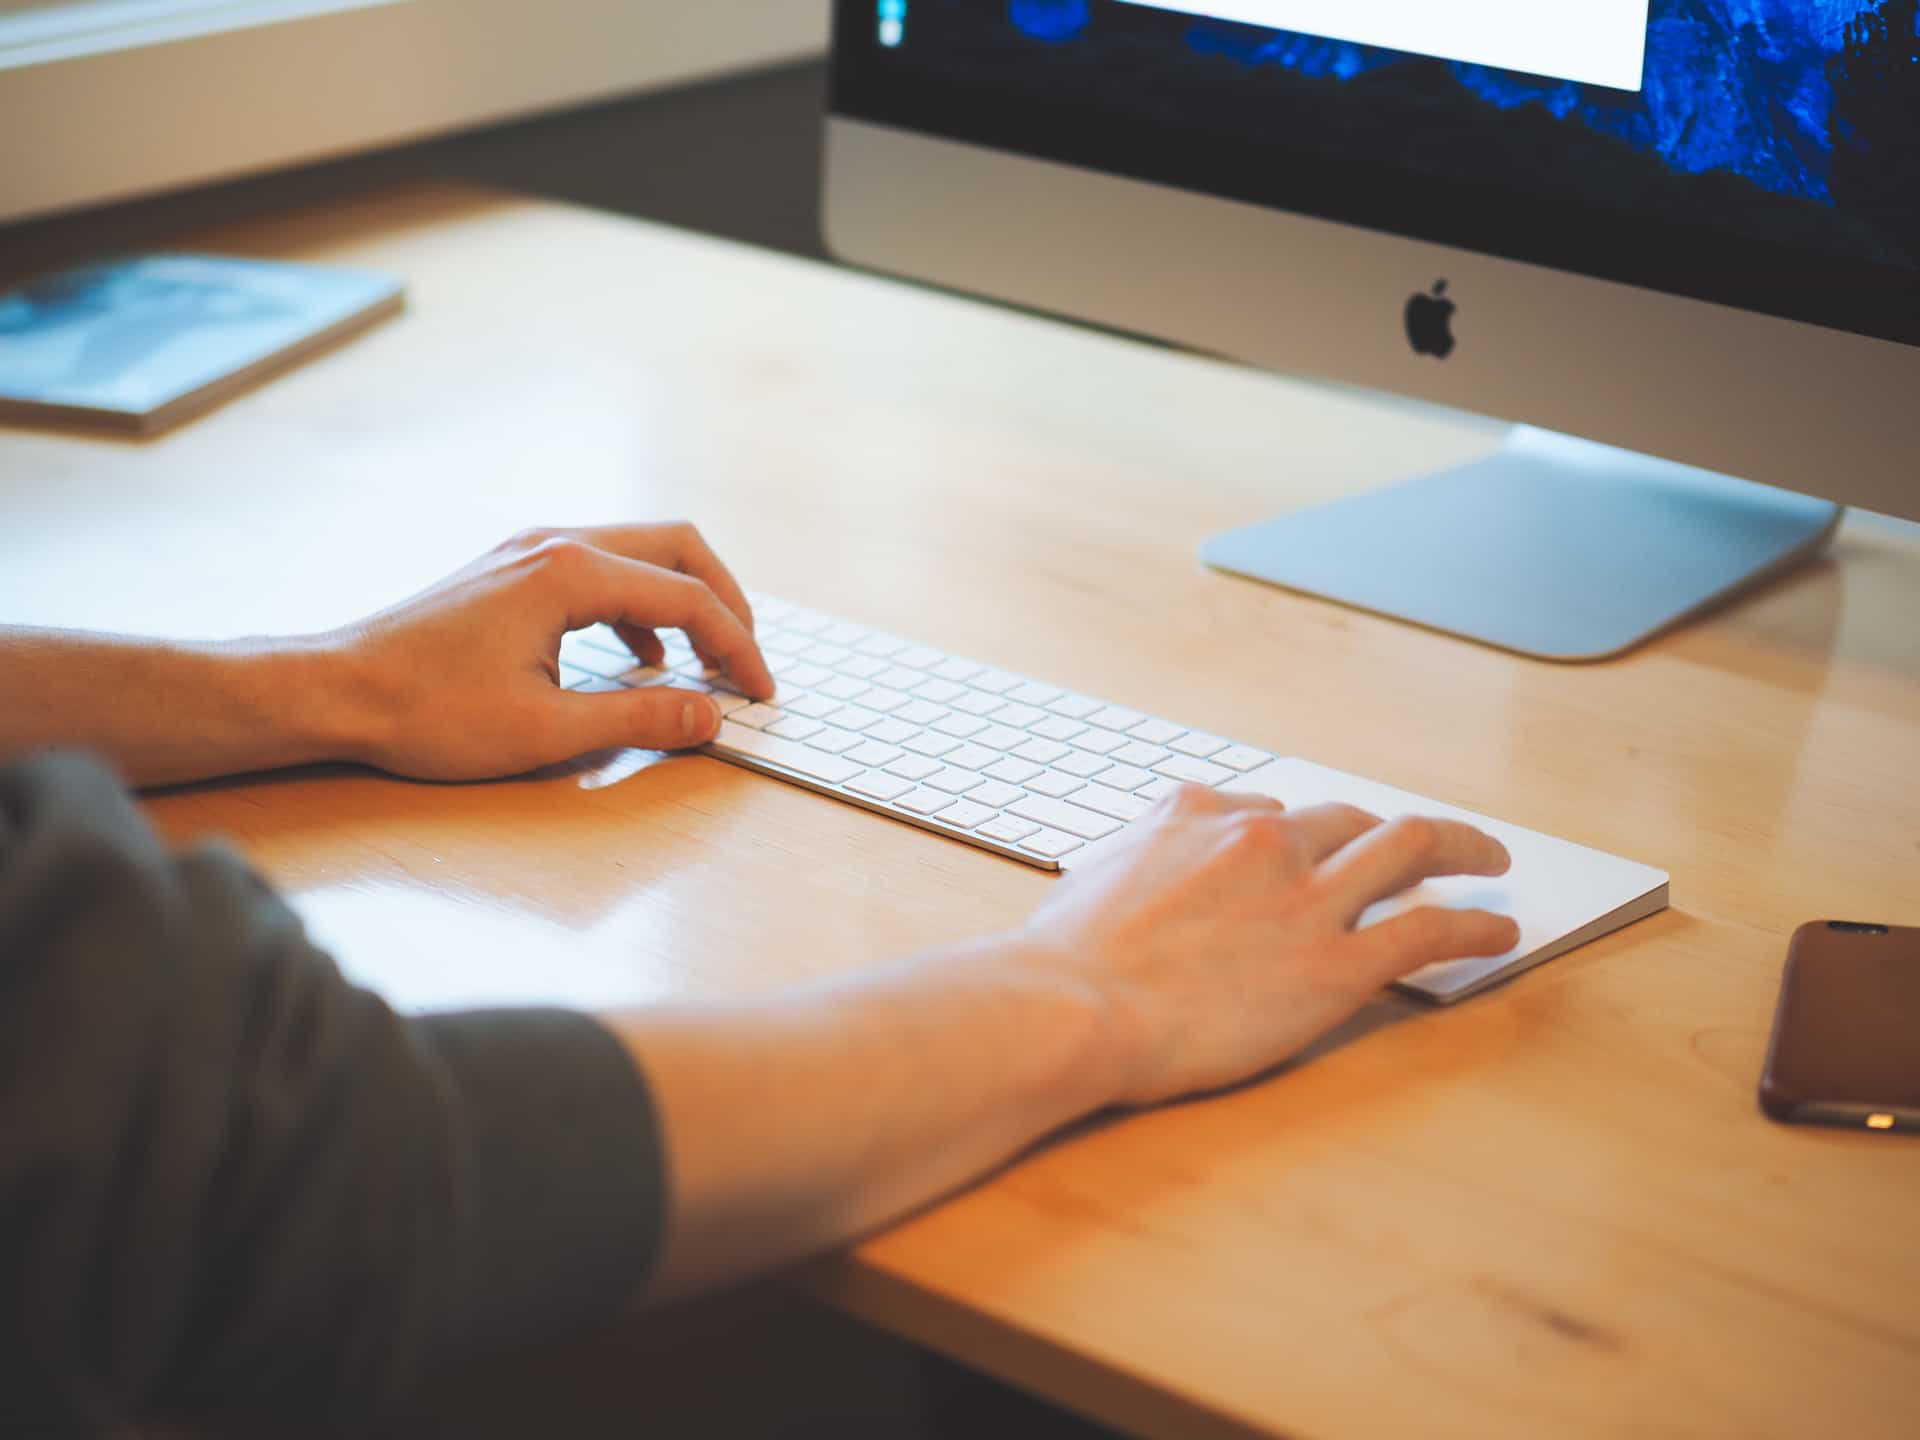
pixel 1691 262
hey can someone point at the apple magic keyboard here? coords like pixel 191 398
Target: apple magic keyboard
pixel 1045 776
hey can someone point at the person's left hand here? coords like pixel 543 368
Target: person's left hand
pixel 462 682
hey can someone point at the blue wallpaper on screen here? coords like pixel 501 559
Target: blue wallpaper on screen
pixel 1739 86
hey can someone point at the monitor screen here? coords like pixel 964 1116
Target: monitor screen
pixel 1757 153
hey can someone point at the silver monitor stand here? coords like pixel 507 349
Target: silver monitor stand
pixel 1552 547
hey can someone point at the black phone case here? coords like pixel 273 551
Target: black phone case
pixel 1846 1035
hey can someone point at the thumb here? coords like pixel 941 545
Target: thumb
pixel 657 718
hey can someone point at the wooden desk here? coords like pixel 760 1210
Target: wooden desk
pixel 1554 1210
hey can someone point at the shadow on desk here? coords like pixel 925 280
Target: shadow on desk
pixel 758 1364
pixel 762 1363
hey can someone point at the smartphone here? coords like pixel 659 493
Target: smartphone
pixel 1846 1036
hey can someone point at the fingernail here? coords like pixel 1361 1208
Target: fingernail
pixel 699 719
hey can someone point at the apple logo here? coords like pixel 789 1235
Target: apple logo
pixel 1430 323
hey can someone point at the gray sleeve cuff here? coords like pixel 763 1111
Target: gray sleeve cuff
pixel 562 1186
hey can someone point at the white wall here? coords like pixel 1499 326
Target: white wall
pixel 158 116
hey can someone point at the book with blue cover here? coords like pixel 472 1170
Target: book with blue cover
pixel 136 345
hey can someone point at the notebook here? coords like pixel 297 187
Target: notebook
pixel 1561 894
pixel 139 344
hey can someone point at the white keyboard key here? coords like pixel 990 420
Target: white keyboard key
pixel 1198 744
pixel 896 678
pixel 728 703
pixel 1074 707
pixel 1137 752
pixel 924 802
pixel 1158 790
pixel 599 637
pixel 1051 844
pixel 972 757
pixel 862 667
pixel 594 685
pixel 795 727
pixel 1156 732
pixel 1035 694
pixel 844 634
pixel 1243 758
pixel 1055 785
pixel 940 692
pixel 1008 831
pixel 1114 803
pixel 978 702
pixel 996 794
pixel 1194 772
pixel 954 781
pixel 879 786
pixel 881 647
pixel 1082 764
pixel 813 707
pixel 884 700
pixel 853 717
pixel 892 732
pixel 641 676
pixel 779 643
pixel 1001 737
pixel 572 675
pixel 758 716
pixel 1116 717
pixel 743 741
pixel 802 674
pixel 868 753
pixel 994 682
pixel 929 744
pixel 827 655
pixel 834 742
pixel 914 767
pixel 919 657
pixel 845 687
pixel 961 727
pixel 1058 727
pixel 767 609
pixel 594 662
pixel 1042 752
pixel 1017 715
pixel 1125 777
pixel 1062 815
pixel 1099 742
pixel 920 712
pixel 966 815
pixel 804 622
pixel 956 669
pixel 1012 771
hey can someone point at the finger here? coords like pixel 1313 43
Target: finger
pixel 658 718
pixel 675 546
pixel 1325 830
pixel 632 592
pixel 1404 852
pixel 644 644
pixel 1428 935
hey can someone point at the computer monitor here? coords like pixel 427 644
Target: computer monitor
pixel 1678 240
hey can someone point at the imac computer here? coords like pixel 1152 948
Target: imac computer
pixel 1676 242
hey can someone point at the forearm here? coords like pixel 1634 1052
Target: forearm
pixel 166 712
pixel 795 1125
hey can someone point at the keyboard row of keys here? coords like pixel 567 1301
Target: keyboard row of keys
pixel 981 753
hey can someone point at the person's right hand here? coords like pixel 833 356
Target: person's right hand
pixel 1218 938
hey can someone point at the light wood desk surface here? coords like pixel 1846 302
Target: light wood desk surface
pixel 1554 1210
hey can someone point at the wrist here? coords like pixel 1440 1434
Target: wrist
pixel 314 697
pixel 1084 1067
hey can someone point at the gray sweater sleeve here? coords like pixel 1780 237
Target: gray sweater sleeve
pixel 232 1185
